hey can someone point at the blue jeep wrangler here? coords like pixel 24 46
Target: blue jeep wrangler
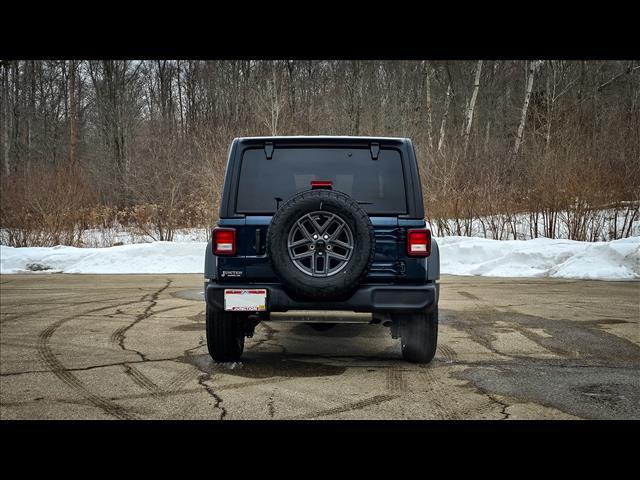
pixel 322 225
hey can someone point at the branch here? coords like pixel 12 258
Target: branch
pixel 625 72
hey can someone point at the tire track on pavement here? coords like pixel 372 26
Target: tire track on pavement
pixel 58 369
pixel 142 380
pixel 145 382
pixel 18 316
pixel 435 394
pixel 180 379
pixel 348 407
pixel 448 353
pixel 396 381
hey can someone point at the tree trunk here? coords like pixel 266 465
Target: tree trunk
pixel 356 97
pixel 73 127
pixel 443 124
pixel 28 107
pixel 5 96
pixel 533 67
pixel 179 78
pixel 486 137
pixel 551 97
pixel 472 104
pixel 429 120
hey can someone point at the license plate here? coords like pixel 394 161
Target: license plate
pixel 245 300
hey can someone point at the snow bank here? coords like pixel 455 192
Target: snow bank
pixel 616 260
pixel 541 257
pixel 156 257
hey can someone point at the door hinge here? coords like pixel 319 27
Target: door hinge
pixel 268 149
pixel 375 149
pixel 401 268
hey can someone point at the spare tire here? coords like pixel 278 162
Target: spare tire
pixel 321 244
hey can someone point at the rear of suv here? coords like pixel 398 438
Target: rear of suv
pixel 322 225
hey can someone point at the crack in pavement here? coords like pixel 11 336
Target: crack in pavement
pixel 120 334
pixel 59 370
pixel 504 405
pixel 202 378
pixel 201 381
pixel 180 379
pixel 91 367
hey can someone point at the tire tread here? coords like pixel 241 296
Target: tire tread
pixel 222 336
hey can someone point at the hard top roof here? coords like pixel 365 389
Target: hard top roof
pixel 315 138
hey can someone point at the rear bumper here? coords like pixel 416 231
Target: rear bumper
pixel 368 298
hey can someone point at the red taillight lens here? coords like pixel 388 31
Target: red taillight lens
pixel 419 243
pixel 223 241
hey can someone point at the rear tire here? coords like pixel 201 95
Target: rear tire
pixel 321 327
pixel 225 337
pixel 418 335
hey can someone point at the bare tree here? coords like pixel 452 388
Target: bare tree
pixel 427 81
pixel 73 127
pixel 6 125
pixel 472 104
pixel 272 102
pixel 533 67
pixel 445 113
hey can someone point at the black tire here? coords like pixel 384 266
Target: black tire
pixel 225 338
pixel 321 327
pixel 336 287
pixel 418 335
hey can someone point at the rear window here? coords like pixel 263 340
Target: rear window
pixel 377 184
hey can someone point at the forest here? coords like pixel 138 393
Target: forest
pixel 142 144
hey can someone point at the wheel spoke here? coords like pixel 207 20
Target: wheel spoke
pixel 337 233
pixel 316 225
pixel 313 262
pixel 304 230
pixel 298 256
pixel 337 256
pixel 340 243
pixel 328 223
pixel 303 241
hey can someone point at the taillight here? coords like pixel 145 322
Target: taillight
pixel 223 241
pixel 419 242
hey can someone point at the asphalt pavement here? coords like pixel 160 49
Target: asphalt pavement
pixel 133 347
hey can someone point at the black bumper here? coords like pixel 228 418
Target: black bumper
pixel 368 298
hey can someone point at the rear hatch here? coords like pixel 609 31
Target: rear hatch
pixel 376 178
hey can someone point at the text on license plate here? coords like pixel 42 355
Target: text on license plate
pixel 245 300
